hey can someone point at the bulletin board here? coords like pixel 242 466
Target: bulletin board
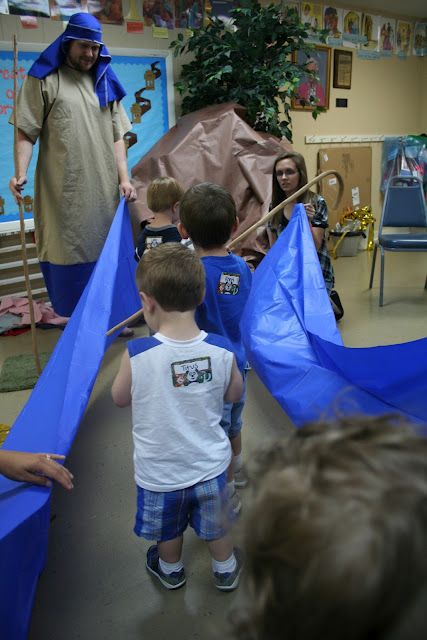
pixel 354 164
pixel 147 77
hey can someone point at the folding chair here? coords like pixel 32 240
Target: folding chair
pixel 404 206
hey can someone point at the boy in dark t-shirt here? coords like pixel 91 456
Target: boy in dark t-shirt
pixel 208 217
pixel 163 196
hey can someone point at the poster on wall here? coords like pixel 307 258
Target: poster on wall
pixel 149 93
pixel 288 9
pixel 333 23
pixel 420 39
pixel 63 9
pixel 403 38
pixel 352 28
pixel 158 13
pixel 188 14
pixel 371 26
pixel 37 8
pixel 107 11
pixel 312 18
pixel 386 36
pixel 313 87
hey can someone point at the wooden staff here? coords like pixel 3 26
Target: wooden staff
pixel 21 212
pixel 255 226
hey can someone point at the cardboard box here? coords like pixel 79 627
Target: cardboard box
pixel 354 165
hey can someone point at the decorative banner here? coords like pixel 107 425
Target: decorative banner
pixel 386 36
pixel 188 14
pixel 107 11
pixel 420 39
pixel 38 8
pixel 403 38
pixel 158 13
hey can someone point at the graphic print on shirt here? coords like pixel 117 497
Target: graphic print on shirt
pixel 229 284
pixel 151 242
pixel 187 371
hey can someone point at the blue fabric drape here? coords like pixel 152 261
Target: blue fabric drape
pixel 50 419
pixel 295 347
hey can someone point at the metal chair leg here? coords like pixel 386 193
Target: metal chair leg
pixel 382 278
pixel 374 257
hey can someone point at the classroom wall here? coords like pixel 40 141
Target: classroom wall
pixel 387 97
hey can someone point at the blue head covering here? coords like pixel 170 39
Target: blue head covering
pixel 82 26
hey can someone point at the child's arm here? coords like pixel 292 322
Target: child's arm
pixel 122 383
pixel 235 388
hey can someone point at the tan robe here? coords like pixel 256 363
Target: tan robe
pixel 76 181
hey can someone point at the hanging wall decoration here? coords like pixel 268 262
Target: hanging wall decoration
pixel 403 38
pixel 386 36
pixel 420 39
pixel 371 25
pixel 36 8
pixel 333 24
pixel 319 63
pixel 188 14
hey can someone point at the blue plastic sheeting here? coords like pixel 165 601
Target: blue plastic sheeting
pixel 294 345
pixel 50 419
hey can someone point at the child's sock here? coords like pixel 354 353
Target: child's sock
pixel 237 462
pixel 231 488
pixel 170 567
pixel 227 566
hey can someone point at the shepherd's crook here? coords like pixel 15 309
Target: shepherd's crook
pixel 255 226
pixel 21 213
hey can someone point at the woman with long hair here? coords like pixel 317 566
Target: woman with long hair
pixel 289 175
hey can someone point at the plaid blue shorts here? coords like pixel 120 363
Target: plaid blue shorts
pixel 165 516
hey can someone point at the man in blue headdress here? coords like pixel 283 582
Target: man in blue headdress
pixel 70 102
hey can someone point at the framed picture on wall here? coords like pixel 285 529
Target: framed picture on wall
pixel 312 88
pixel 343 61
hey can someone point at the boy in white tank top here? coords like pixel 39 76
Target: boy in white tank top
pixel 177 381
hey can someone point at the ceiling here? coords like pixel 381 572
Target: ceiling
pixel 405 8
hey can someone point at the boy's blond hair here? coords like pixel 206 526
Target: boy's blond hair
pixel 208 213
pixel 163 193
pixel 173 275
pixel 336 540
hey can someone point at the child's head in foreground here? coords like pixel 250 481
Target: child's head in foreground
pixel 173 275
pixel 163 194
pixel 336 539
pixel 208 214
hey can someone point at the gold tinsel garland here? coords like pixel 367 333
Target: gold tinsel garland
pixel 366 219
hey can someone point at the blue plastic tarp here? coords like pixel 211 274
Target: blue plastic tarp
pixel 50 419
pixel 294 345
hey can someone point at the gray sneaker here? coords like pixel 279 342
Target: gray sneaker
pixel 240 478
pixel 170 581
pixel 230 581
pixel 236 504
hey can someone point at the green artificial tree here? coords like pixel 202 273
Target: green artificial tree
pixel 249 61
